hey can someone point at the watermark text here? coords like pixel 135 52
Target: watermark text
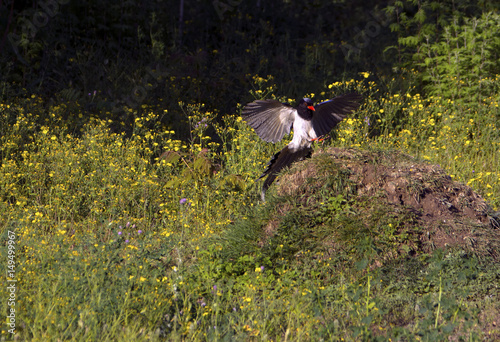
pixel 11 282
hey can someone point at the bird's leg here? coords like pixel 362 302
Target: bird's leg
pixel 320 139
pixel 325 139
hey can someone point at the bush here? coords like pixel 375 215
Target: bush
pixel 464 62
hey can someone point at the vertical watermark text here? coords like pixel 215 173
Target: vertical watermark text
pixel 11 282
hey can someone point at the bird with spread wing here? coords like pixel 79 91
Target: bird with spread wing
pixel 272 120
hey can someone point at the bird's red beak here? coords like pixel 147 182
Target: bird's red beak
pixel 311 108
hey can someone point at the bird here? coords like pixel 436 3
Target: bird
pixel 272 120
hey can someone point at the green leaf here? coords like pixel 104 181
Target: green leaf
pixel 367 320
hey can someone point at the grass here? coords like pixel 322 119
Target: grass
pixel 142 236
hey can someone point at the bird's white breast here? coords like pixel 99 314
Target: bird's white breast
pixel 303 132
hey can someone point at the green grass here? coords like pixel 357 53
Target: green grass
pixel 147 237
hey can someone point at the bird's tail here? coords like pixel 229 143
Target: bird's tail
pixel 278 162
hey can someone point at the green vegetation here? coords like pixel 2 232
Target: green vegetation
pixel 128 176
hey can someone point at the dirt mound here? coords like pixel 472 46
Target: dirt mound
pixel 389 191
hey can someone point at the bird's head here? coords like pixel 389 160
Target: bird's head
pixel 307 103
pixel 306 108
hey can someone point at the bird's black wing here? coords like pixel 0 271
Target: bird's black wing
pixel 270 119
pixel 329 113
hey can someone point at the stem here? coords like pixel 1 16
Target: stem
pixel 368 297
pixel 439 301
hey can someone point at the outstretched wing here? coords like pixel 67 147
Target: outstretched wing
pixel 270 119
pixel 329 113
